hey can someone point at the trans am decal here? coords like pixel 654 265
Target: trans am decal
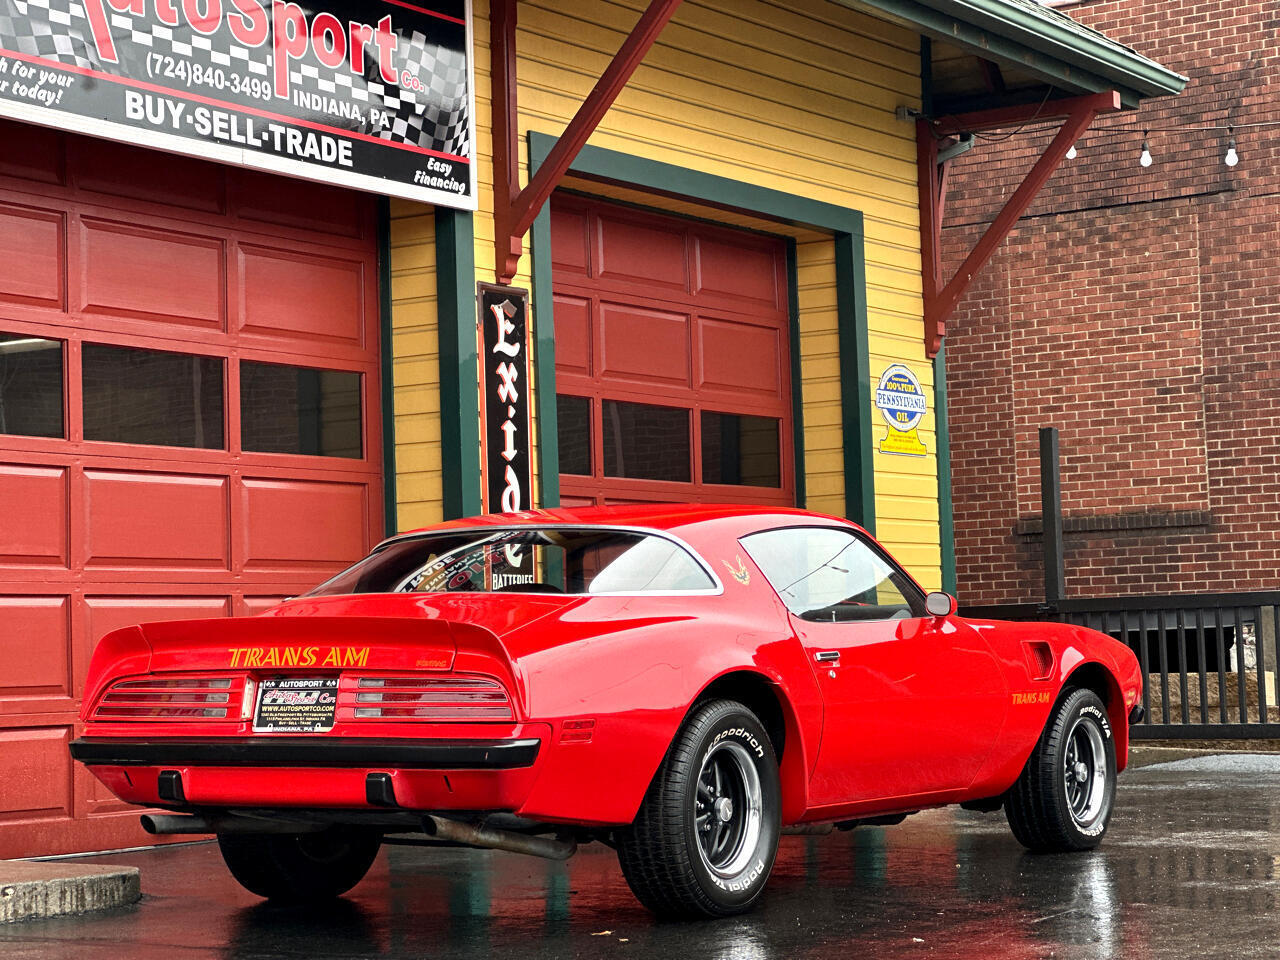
pixel 299 656
pixel 373 95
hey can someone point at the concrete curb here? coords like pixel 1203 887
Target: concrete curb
pixel 30 891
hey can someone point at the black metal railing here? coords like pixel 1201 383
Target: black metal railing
pixel 1209 661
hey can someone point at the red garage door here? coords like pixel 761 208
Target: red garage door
pixel 672 359
pixel 188 414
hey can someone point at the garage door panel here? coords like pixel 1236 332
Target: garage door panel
pixel 644 345
pixel 102 614
pixel 641 251
pixel 741 358
pixel 293 293
pixel 573 335
pixel 37 767
pixel 296 203
pixel 32 256
pixel 252 606
pixel 134 519
pixel 570 241
pixel 299 524
pixel 35 535
pixel 737 270
pixel 121 170
pixel 28 623
pixel 32 153
pixel 192 270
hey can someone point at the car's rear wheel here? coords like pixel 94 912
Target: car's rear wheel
pixel 706 836
pixel 300 868
pixel 1063 798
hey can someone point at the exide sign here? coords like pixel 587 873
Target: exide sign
pixel 373 95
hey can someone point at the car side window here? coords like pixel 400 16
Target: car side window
pixel 833 575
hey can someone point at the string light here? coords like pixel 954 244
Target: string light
pixel 1071 153
pixel 1231 158
pixel 1145 158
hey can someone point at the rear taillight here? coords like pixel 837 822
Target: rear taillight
pixel 428 698
pixel 176 698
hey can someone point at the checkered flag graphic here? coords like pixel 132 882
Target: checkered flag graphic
pixel 436 117
pixel 36 28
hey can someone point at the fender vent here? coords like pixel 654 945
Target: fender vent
pixel 1039 658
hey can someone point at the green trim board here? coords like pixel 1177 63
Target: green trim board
pixel 545 409
pixel 844 224
pixel 459 398
pixel 855 370
pixel 797 386
pixel 946 518
pixel 386 379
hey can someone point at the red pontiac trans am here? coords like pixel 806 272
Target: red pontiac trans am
pixel 682 683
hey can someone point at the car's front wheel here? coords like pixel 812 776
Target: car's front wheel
pixel 1062 800
pixel 300 868
pixel 706 836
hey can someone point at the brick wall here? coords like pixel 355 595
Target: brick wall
pixel 1137 310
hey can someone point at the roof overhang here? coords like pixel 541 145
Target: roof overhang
pixel 1032 39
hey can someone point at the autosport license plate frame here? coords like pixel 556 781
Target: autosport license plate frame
pixel 295 705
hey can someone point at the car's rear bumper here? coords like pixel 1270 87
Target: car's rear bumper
pixel 304 752
pixel 304 771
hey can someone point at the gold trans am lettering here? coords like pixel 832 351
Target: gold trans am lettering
pixel 299 656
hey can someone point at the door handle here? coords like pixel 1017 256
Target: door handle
pixel 827 656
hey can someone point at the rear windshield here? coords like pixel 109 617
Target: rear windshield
pixel 525 560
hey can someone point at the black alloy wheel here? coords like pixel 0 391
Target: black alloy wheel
pixel 300 868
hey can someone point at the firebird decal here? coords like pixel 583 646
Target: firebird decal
pixel 739 572
pixel 299 656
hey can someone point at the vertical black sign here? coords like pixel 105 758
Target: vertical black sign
pixel 504 385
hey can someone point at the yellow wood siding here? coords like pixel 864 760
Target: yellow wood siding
pixel 416 365
pixel 796 96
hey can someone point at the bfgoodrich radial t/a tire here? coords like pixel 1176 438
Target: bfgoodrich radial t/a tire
pixel 300 868
pixel 1063 798
pixel 707 833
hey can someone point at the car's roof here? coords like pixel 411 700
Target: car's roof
pixel 657 516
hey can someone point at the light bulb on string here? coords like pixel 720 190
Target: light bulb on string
pixel 1231 158
pixel 1145 158
pixel 1071 152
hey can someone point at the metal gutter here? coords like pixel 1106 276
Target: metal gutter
pixel 1043 41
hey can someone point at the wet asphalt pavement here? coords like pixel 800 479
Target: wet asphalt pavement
pixel 1190 868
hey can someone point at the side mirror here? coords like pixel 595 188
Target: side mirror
pixel 940 604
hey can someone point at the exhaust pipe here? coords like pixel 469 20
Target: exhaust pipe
pixel 808 829
pixel 458 832
pixel 166 823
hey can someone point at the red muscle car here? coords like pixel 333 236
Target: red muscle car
pixel 682 683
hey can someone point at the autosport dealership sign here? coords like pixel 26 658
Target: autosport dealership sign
pixel 369 94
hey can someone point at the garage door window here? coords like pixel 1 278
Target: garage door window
pixel 152 397
pixel 740 450
pixel 645 442
pixel 31 386
pixel 300 410
pixel 573 423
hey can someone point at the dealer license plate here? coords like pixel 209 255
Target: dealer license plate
pixel 296 705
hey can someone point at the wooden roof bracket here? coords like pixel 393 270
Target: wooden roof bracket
pixel 515 209
pixel 940 300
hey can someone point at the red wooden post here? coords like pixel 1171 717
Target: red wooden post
pixel 515 211
pixel 939 303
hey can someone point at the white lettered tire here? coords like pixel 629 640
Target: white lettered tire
pixel 1062 800
pixel 705 839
